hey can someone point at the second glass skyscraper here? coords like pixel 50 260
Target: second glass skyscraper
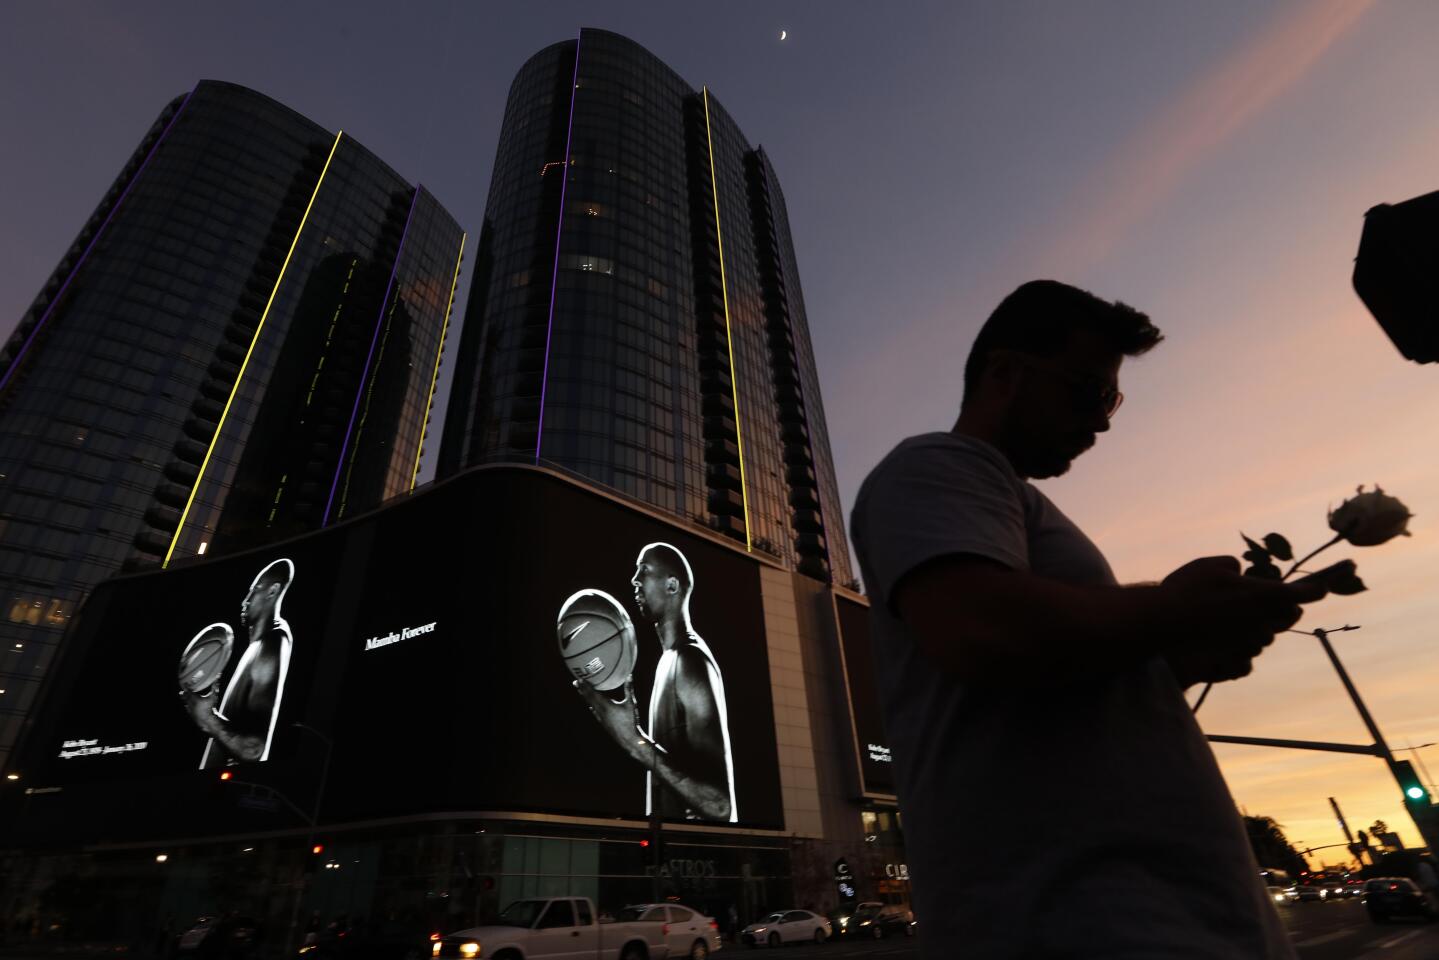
pixel 636 315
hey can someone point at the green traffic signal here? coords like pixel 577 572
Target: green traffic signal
pixel 1409 782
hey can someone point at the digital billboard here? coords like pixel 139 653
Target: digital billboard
pixel 577 657
pixel 506 641
pixel 875 762
pixel 203 668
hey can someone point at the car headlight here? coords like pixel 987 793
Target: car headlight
pixel 471 949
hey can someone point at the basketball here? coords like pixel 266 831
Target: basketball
pixel 597 639
pixel 206 657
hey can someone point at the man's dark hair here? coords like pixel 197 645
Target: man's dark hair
pixel 1039 317
pixel 278 574
pixel 671 563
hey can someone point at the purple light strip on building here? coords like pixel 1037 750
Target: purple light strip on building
pixel 60 295
pixel 374 339
pixel 559 231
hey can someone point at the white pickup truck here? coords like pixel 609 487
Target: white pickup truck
pixel 567 928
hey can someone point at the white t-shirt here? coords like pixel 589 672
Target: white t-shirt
pixel 1089 821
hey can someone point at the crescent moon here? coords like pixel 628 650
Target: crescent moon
pixel 783 34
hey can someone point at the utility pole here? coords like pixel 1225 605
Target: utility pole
pixel 1423 818
pixel 1416 799
pixel 1357 849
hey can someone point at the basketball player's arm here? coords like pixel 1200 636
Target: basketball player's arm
pixel 706 790
pixel 240 745
pixel 703 782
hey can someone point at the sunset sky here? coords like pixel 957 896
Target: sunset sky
pixel 1208 163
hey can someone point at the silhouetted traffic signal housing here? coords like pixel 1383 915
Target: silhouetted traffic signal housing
pixel 1396 273
pixel 1415 793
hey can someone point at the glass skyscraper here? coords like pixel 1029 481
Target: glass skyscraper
pixel 241 345
pixel 636 315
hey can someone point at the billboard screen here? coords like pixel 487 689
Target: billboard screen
pixel 875 763
pixel 506 641
pixel 203 668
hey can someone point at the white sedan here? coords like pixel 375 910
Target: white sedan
pixel 787 926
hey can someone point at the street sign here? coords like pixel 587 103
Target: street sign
pixel 254 802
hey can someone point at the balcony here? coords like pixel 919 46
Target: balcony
pixel 724 476
pixel 726 502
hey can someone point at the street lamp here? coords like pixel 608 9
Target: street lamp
pixel 314 822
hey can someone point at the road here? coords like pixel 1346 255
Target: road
pixel 1343 931
pixel 1320 931
pixel 891 948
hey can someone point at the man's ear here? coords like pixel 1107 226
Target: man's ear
pixel 672 585
pixel 1003 370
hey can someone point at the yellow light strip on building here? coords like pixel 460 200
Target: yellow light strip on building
pixel 199 479
pixel 724 294
pixel 444 330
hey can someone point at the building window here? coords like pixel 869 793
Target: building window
pixel 588 263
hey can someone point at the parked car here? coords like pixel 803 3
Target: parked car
pixel 878 920
pixel 687 933
pixel 1388 897
pixel 787 926
pixel 230 937
pixel 553 928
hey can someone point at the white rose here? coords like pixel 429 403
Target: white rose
pixel 1370 519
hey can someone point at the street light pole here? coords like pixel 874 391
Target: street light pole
pixel 314 819
pixel 1425 829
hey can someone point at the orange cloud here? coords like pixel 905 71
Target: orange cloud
pixel 1147 168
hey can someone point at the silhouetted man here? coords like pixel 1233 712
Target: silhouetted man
pixel 1023 687
pixel 687 747
pixel 244 724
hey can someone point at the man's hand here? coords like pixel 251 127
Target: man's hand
pixel 1227 619
pixel 201 710
pixel 621 720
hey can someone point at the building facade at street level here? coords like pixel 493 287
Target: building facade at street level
pixel 240 345
pixel 636 315
pixel 427 758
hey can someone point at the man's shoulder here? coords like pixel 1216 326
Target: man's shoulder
pixel 693 659
pixel 952 456
pixel 935 449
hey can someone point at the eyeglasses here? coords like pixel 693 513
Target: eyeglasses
pixel 1085 390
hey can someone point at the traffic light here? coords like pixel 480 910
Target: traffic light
pixel 1414 791
pixel 314 858
pixel 1393 273
pixel 652 851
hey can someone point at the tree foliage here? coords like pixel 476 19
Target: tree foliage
pixel 1271 848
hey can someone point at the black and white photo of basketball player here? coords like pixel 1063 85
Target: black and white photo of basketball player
pixel 243 725
pixel 686 749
